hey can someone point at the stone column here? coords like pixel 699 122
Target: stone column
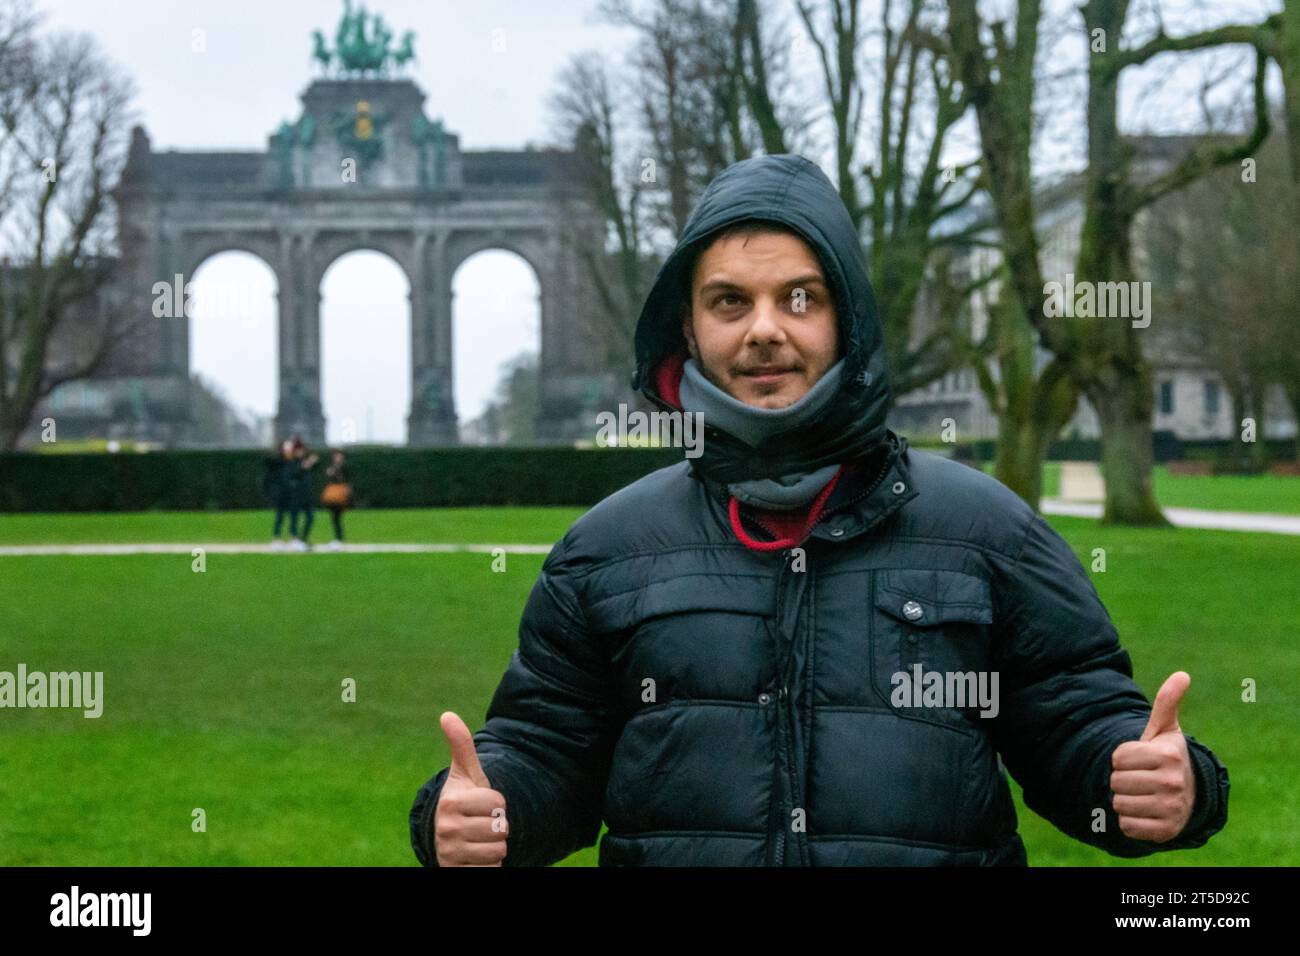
pixel 432 419
pixel 298 292
pixel 572 391
pixel 161 409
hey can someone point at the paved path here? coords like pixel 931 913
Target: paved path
pixel 1081 481
pixel 1190 517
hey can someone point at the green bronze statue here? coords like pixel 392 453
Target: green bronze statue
pixel 362 45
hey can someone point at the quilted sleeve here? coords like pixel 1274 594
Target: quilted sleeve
pixel 549 731
pixel 1069 699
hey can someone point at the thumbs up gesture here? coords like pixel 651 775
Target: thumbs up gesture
pixel 1152 781
pixel 470 827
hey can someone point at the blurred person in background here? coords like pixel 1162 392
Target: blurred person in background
pixel 298 480
pixel 337 496
pixel 276 489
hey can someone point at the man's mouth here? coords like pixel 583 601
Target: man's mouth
pixel 767 373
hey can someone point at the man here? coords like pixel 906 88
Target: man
pixel 732 661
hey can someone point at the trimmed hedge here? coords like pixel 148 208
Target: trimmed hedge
pixel 382 478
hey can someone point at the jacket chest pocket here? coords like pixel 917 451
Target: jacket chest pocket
pixel 930 643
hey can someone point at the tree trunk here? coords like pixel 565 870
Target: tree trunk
pixel 1029 421
pixel 1020 452
pixel 15 414
pixel 1124 407
pixel 1289 62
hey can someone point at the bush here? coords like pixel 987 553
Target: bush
pixel 382 478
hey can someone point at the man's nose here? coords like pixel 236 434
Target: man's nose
pixel 765 326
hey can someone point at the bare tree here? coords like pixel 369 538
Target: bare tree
pixel 587 115
pixel 702 88
pixel 64 119
pixel 1108 359
pixel 900 186
pixel 711 82
pixel 1032 404
pixel 1102 358
pixel 1227 255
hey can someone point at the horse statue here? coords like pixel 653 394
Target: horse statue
pixel 320 52
pixel 406 51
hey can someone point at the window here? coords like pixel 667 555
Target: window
pixel 1166 398
pixel 1211 397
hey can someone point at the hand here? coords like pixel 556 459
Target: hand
pixel 1154 788
pixel 470 826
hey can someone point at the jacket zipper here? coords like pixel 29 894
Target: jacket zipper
pixel 785 709
pixel 787 809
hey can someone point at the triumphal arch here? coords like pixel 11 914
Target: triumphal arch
pixel 363 166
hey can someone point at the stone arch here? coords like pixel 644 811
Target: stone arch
pixel 323 265
pixel 195 251
pixel 532 246
pixel 208 331
pixel 324 252
pixel 538 245
pixel 481 334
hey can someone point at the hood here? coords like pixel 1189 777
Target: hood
pixel 791 190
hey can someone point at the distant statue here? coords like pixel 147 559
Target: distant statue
pixel 347 28
pixel 406 52
pixel 320 52
pixel 354 51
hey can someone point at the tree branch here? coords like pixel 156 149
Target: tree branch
pixel 1208 156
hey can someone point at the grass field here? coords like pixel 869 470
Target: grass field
pixel 1257 493
pixel 223 688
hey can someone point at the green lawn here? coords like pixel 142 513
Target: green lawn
pixel 447 525
pixel 524 525
pixel 1266 493
pixel 223 688
pixel 1273 493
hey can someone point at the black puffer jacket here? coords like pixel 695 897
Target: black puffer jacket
pixel 719 706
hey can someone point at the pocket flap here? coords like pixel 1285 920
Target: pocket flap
pixel 923 598
pixel 685 594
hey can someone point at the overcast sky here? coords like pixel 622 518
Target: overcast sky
pixel 486 67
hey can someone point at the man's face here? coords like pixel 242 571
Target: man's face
pixel 762 325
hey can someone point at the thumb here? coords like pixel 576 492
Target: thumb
pixel 1164 714
pixel 464 758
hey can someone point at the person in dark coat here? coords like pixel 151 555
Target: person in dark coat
pixel 298 481
pixel 275 487
pixel 809 645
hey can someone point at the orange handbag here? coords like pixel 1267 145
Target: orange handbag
pixel 336 495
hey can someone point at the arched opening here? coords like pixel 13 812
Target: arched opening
pixel 365 345
pixel 234 373
pixel 496 347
